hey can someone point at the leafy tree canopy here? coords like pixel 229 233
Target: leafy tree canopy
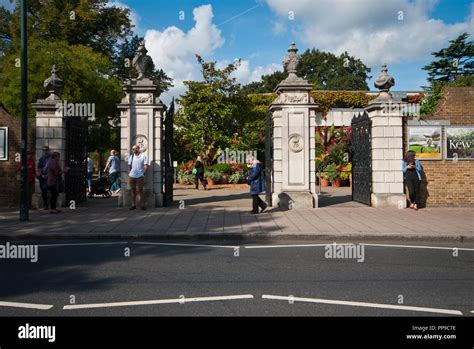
pixel 452 62
pixel 324 70
pixel 213 112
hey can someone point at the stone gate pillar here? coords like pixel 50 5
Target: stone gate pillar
pixel 386 114
pixel 294 122
pixel 141 115
pixel 50 130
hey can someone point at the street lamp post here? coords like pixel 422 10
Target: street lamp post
pixel 24 114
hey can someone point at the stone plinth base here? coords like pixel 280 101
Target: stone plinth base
pixel 389 200
pixel 151 199
pixel 295 200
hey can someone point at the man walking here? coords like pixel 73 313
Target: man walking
pixel 257 184
pixel 113 165
pixel 42 174
pixel 137 168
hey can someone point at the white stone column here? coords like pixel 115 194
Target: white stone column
pixel 50 131
pixel 387 152
pixel 294 122
pixel 141 123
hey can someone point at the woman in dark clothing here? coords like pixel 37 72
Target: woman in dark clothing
pixel 256 182
pixel 199 175
pixel 412 176
pixel 54 176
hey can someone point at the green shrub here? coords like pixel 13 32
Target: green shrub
pixel 185 178
pixel 331 171
pixel 222 168
pixel 215 176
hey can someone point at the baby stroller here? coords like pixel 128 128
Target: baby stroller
pixel 100 187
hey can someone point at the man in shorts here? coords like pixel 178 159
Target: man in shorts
pixel 137 168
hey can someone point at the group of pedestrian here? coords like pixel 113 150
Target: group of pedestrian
pixel 50 176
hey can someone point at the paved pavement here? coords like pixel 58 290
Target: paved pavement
pixel 224 214
pixel 172 280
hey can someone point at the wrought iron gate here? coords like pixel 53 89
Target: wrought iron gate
pixel 76 138
pixel 361 150
pixel 168 169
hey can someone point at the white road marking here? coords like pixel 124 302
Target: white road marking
pixel 283 246
pixel 184 245
pixel 364 304
pixel 364 244
pixel 85 244
pixel 157 301
pixel 26 305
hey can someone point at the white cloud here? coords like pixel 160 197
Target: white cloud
pixel 371 29
pixel 173 50
pixel 244 74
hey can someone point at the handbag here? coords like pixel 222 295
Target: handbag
pixel 194 171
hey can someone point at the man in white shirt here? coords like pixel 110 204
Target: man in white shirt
pixel 137 168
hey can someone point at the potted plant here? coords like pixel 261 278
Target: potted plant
pixel 224 169
pixel 324 180
pixel 345 174
pixel 332 174
pixel 212 178
pixel 344 177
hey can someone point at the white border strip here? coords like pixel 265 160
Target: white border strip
pixel 184 245
pixel 85 244
pixel 363 304
pixel 157 301
pixel 26 305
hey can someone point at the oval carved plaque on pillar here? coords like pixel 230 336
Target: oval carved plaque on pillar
pixel 295 143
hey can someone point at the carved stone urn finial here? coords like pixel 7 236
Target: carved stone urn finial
pixel 384 81
pixel 292 61
pixel 53 84
pixel 142 62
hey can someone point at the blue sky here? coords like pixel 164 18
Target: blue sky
pixel 401 33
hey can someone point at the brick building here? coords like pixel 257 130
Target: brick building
pixel 10 186
pixel 447 182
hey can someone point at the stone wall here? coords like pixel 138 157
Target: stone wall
pixel 10 193
pixel 447 182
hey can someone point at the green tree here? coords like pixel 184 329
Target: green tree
pixel 324 70
pixel 453 61
pixel 454 67
pixel 211 112
pixel 96 24
pixel 88 40
pixel 87 76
